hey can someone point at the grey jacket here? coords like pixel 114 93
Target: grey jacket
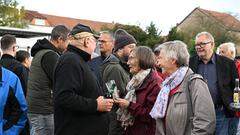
pixel 203 121
pixel 115 69
pixel 39 96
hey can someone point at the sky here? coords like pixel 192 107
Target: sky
pixel 165 14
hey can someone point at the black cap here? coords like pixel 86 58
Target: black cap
pixel 79 28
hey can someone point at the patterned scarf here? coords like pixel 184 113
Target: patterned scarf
pixel 122 114
pixel 160 106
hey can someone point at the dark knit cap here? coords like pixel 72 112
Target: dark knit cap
pixel 122 38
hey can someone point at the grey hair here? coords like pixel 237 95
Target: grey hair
pixel 109 33
pixel 207 34
pixel 230 46
pixel 176 50
pixel 157 50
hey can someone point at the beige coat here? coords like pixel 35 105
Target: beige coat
pixel 204 120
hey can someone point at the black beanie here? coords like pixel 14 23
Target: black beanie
pixel 122 38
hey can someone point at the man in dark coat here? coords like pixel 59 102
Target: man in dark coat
pixel 115 68
pixel 79 106
pixel 220 74
pixel 9 48
pixel 105 43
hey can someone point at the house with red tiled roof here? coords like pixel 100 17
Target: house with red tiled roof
pixel 36 18
pixel 218 23
pixel 41 25
pixel 45 20
pixel 224 20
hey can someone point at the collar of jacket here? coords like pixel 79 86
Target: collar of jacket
pixel 43 44
pixel 212 60
pixel 7 56
pixel 149 78
pixel 86 56
pixel 123 64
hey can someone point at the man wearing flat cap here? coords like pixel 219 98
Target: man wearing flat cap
pixel 79 105
pixel 115 68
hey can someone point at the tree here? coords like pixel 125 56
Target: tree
pixel 150 37
pixel 152 30
pixel 153 36
pixel 136 31
pixel 175 35
pixel 10 15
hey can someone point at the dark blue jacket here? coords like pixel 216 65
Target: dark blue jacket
pixel 96 65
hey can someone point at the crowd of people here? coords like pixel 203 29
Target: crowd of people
pixel 62 88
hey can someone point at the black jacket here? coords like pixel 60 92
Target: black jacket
pixel 75 92
pixel 49 59
pixel 15 66
pixel 226 75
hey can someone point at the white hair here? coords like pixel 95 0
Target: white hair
pixel 230 46
pixel 207 34
pixel 176 50
pixel 158 48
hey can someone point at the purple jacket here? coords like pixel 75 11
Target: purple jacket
pixel 146 96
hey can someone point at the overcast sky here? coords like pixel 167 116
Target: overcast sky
pixel 164 13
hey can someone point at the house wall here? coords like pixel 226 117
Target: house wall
pixel 191 20
pixel 199 20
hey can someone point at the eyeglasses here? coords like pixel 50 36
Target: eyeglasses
pixel 16 47
pixel 202 44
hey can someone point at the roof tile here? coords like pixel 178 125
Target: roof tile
pixel 226 19
pixel 67 21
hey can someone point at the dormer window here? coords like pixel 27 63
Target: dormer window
pixel 39 21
